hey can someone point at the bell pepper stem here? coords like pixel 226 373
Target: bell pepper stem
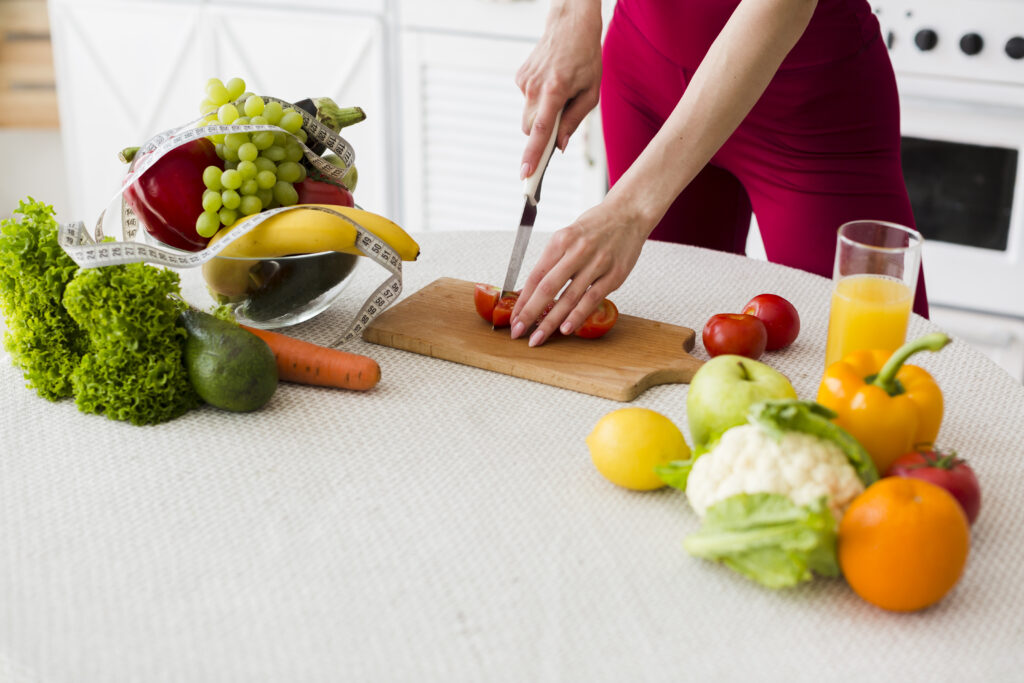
pixel 886 377
pixel 127 154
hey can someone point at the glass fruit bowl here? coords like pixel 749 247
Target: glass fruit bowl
pixel 268 292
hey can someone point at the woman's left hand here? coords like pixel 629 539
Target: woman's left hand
pixel 593 256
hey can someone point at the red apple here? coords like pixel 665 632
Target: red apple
pixel 735 333
pixel 780 319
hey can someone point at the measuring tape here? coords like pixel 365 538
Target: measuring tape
pixel 93 251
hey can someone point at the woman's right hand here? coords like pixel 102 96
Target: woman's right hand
pixel 562 73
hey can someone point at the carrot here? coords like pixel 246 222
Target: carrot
pixel 306 363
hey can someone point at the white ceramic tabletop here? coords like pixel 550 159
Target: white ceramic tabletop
pixel 449 526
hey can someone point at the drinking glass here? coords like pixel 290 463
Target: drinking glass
pixel 874 279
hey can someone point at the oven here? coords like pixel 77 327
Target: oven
pixel 960 72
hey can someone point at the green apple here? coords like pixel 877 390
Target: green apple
pixel 722 391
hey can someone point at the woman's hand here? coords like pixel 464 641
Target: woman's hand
pixel 594 256
pixel 562 73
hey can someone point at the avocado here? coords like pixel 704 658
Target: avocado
pixel 229 367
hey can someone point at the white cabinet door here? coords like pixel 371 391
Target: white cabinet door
pixel 128 70
pixel 462 140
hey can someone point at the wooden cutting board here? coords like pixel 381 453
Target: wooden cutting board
pixel 440 321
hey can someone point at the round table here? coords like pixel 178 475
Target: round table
pixel 449 526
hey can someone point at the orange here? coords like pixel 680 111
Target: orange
pixel 903 544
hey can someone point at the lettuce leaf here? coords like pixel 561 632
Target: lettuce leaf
pixel 769 538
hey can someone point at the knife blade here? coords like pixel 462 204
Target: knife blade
pixel 531 196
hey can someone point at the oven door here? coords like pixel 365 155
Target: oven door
pixel 962 165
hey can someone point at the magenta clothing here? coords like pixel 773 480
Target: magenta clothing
pixel 820 147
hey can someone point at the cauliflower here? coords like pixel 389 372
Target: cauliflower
pixel 750 459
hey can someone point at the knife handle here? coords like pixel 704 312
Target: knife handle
pixel 531 184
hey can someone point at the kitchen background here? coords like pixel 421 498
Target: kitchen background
pixel 81 79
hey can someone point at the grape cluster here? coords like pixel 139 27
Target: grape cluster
pixel 261 168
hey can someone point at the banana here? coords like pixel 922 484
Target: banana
pixel 299 231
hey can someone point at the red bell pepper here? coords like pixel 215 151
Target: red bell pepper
pixel 320 192
pixel 168 197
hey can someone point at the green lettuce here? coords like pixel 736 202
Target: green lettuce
pixel 769 538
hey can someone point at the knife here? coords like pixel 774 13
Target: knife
pixel 531 192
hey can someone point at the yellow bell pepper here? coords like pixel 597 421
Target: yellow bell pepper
pixel 886 405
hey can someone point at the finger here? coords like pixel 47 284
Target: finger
pixel 586 305
pixel 565 276
pixel 575 111
pixel 540 133
pixel 579 299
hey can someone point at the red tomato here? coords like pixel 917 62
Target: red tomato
pixel 735 333
pixel 600 321
pixel 485 298
pixel 943 469
pixel 780 319
pixel 502 312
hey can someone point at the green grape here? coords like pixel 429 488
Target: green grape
pixel 274 153
pixel 235 87
pixel 291 121
pixel 235 140
pixel 263 139
pixel 227 113
pixel 265 164
pixel 281 138
pixel 266 197
pixel 302 173
pixel 248 169
pixel 230 164
pixel 253 105
pixel 208 223
pixel 248 152
pixel 242 121
pixel 211 81
pixel 212 201
pixel 207 107
pixel 249 187
pixel 289 172
pixel 231 180
pixel 285 194
pixel 230 199
pixel 219 149
pixel 265 180
pixel 211 177
pixel 272 112
pixel 258 120
pixel 217 93
pixel 294 151
pixel 230 155
pixel 228 216
pixel 301 135
pixel 250 204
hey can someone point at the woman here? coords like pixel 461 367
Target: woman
pixel 712 108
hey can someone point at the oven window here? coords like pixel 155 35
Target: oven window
pixel 960 193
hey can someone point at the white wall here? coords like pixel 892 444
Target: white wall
pixel 33 165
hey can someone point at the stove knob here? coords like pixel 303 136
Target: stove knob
pixel 1015 47
pixel 971 43
pixel 926 39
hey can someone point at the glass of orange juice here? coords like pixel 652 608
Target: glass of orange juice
pixel 875 275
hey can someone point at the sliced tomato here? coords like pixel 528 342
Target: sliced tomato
pixel 502 312
pixel 600 321
pixel 485 298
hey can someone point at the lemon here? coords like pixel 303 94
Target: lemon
pixel 627 444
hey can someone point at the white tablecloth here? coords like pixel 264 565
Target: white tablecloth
pixel 449 525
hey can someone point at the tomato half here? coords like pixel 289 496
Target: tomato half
pixel 502 312
pixel 485 298
pixel 600 321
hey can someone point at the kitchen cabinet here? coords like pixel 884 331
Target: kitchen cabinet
pixel 127 69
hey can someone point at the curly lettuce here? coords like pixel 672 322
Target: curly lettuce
pixel 133 369
pixel 42 339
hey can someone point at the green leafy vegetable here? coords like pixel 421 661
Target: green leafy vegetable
pixel 133 369
pixel 769 538
pixel 43 340
pixel 809 417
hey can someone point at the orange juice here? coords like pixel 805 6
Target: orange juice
pixel 868 312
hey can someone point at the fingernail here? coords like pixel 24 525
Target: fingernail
pixel 524 171
pixel 566 327
pixel 517 329
pixel 537 338
pixel 563 143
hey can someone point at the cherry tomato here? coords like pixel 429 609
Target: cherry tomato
pixel 944 469
pixel 502 312
pixel 780 319
pixel 600 321
pixel 735 333
pixel 485 298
